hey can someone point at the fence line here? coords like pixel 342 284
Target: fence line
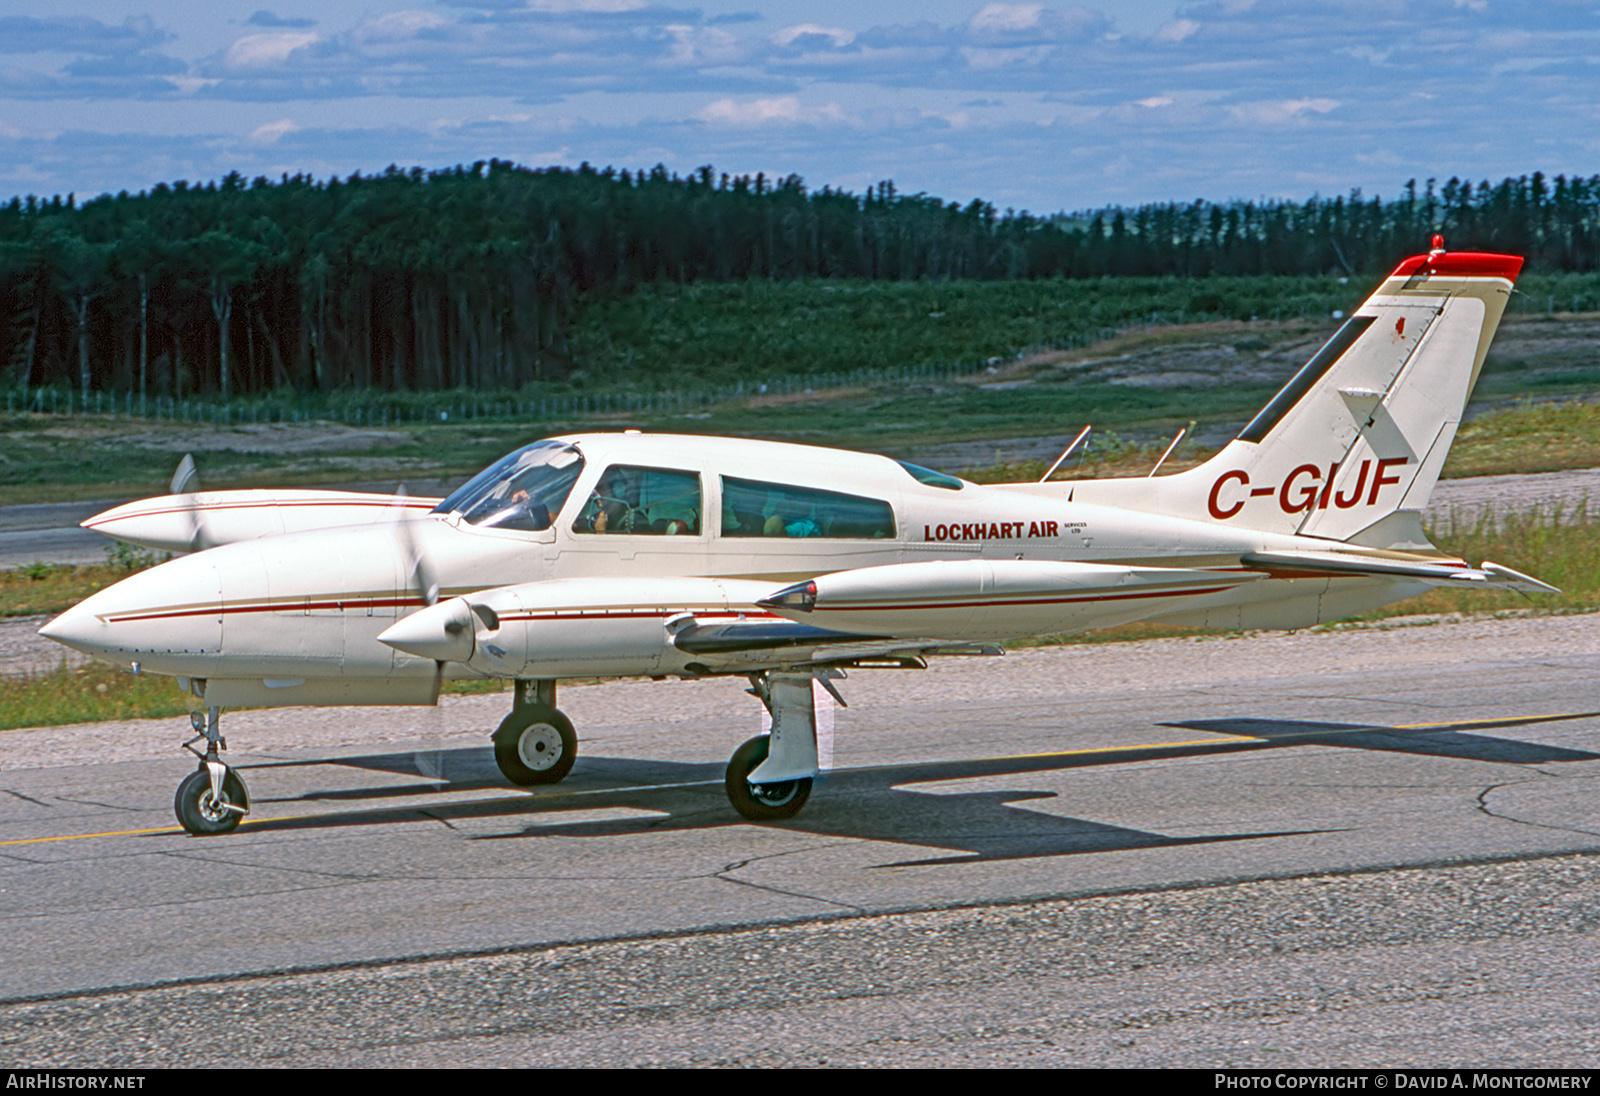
pixel 365 408
pixel 386 409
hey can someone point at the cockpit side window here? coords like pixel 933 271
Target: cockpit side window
pixel 751 508
pixel 523 490
pixel 642 502
pixel 930 477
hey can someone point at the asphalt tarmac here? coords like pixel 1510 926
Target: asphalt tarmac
pixel 1363 847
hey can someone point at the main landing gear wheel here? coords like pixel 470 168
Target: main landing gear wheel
pixel 762 802
pixel 200 812
pixel 535 745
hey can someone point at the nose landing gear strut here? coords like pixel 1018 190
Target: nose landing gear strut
pixel 212 799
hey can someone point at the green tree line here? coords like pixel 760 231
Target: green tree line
pixel 473 276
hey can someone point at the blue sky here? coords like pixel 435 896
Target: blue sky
pixel 1029 105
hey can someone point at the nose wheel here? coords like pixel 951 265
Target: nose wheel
pixel 212 799
pixel 205 812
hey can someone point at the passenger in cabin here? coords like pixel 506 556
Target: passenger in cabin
pixel 752 508
pixel 643 501
pixel 777 525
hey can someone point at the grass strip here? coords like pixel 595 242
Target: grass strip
pixel 87 694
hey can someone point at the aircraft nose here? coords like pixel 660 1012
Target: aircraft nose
pixel 170 611
pixel 79 629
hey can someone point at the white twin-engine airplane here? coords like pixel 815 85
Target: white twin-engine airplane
pixel 627 554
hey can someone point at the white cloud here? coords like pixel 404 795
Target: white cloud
pixel 836 35
pixel 988 60
pixel 1006 17
pixel 694 46
pixel 266 50
pixel 1155 102
pixel 604 7
pixel 189 85
pixel 272 132
pixel 1177 30
pixel 785 110
pixel 1279 111
pixel 398 26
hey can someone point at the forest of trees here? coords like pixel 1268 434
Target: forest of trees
pixel 469 277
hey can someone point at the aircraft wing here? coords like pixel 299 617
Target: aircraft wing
pixel 1437 572
pixel 995 599
pixel 752 645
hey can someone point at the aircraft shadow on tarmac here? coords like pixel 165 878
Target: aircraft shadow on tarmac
pixel 863 804
pixel 1443 740
pixel 869 804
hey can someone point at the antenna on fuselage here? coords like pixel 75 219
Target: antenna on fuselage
pixel 1075 441
pixel 1168 453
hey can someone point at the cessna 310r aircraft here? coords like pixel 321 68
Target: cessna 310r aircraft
pixel 627 554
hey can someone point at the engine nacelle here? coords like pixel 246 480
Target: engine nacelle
pixel 186 523
pixel 589 627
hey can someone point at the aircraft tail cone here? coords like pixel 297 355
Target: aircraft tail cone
pixel 442 632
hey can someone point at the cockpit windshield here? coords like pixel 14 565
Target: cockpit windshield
pixel 522 490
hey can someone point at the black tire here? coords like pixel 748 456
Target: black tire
pixel 535 745
pixel 199 814
pixel 763 802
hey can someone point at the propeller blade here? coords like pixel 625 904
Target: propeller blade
pixel 185 482
pixel 186 477
pixel 421 575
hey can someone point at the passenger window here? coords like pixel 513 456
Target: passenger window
pixel 751 508
pixel 642 502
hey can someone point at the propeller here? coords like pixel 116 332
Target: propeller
pixel 185 482
pixel 420 574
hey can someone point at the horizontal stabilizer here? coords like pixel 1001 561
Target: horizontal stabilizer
pixel 1436 572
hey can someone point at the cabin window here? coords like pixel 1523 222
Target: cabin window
pixel 642 502
pixel 522 490
pixel 751 508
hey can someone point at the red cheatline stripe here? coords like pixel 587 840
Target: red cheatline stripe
pixel 383 603
pixel 269 607
pixel 981 604
pixel 632 614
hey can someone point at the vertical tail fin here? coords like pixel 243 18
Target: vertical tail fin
pixel 1351 447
